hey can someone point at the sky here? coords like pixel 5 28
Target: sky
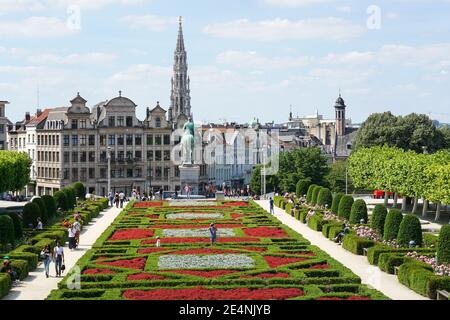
pixel 247 59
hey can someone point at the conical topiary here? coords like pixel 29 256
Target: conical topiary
pixel 379 218
pixel 410 230
pixel 345 207
pixel 392 224
pixel 358 212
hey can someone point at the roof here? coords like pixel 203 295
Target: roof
pixel 34 121
pixel 58 114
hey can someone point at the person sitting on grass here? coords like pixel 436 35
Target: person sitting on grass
pixel 7 268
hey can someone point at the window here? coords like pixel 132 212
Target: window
pixel 158 122
pixel 150 155
pixel 91 173
pixel 149 172
pixel 138 173
pixel 2 129
pixel 91 156
pixel 129 121
pixel 103 173
pixel 129 155
pixel 121 173
pixel 129 173
pixel 74 124
pixel 113 173
pixel 167 140
pixel 103 140
pixel 158 141
pixel 83 140
pixel 66 174
pixel 46 141
pixel 149 139
pixel 92 140
pixel 166 155
pixel 121 155
pixel 74 140
pixel 54 140
pixel 83 124
pixel 74 174
pixel 65 140
pixel 121 121
pixel 83 174
pixel 103 156
pixel 129 139
pixel 66 157
pixel 83 157
pixel 74 157
pixel 138 139
pixel 120 140
pixel 138 155
pixel 112 140
pixel 158 156
pixel 177 172
pixel 112 121
pixel 57 156
pixel 158 172
pixel 166 173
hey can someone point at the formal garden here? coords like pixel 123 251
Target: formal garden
pixel 256 258
pixel 391 238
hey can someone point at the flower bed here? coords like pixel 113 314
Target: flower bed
pixel 205 274
pixel 275 262
pixel 266 232
pixel 137 263
pixel 188 216
pixel 219 261
pixel 152 204
pixel 132 234
pixel 188 233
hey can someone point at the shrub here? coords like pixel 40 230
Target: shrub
pixel 416 276
pixel 80 190
pixel 392 224
pixel 356 244
pixel 50 205
pixel 30 258
pixel 21 267
pixel 31 212
pixel 325 198
pixel 61 200
pixel 315 195
pixel 42 209
pixel 443 252
pixel 17 221
pixel 379 218
pixel 316 222
pixel 410 230
pixel 335 205
pixel 389 260
pixel 302 187
pixel 6 230
pixel 358 212
pixel 430 239
pixel 310 193
pixel 70 196
pixel 328 227
pixel 5 284
pixel 345 207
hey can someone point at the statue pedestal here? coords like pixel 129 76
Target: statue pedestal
pixel 190 175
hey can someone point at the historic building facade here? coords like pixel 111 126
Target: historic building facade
pixel 4 123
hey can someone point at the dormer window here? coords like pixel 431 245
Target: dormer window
pixel 129 121
pixel 83 124
pixel 158 122
pixel 74 124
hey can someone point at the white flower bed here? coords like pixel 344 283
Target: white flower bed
pixel 192 203
pixel 217 261
pixel 204 232
pixel 175 216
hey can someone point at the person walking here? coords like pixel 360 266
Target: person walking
pixel 72 234
pixel 46 255
pixel 272 208
pixel 213 232
pixel 111 199
pixel 117 200
pixel 58 257
pixel 40 225
pixel 77 227
pixel 121 199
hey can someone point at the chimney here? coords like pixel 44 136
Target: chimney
pixel 27 116
pixel 38 112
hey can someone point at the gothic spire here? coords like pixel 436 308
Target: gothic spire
pixel 180 41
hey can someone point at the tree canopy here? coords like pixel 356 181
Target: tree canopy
pixel 14 170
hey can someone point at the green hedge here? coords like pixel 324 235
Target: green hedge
pixel 335 205
pixel 18 225
pixel 31 212
pixel 327 228
pixel 5 284
pixel 345 207
pixel 325 198
pixel 316 222
pixel 430 239
pixel 302 187
pixel 443 251
pixel 392 225
pixel 50 205
pixel 410 230
pixel 379 218
pixel 358 212
pixel 6 231
pixel 80 190
pixel 388 261
pixel 42 209
pixel 21 267
pixel 61 200
pixel 356 244
pixel 374 253
pixel 315 195
pixel 309 194
pixel 30 258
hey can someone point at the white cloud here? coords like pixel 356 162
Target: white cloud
pixel 283 29
pixel 296 3
pixel 35 27
pixel 96 58
pixel 254 60
pixel 353 57
pixel 344 9
pixel 20 5
pixel 151 22
pixel 391 15
pixel 142 72
pixel 425 56
pixel 92 4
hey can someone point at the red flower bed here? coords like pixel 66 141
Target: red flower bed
pixel 275 262
pixel 205 274
pixel 205 251
pixel 98 271
pixel 213 294
pixel 256 249
pixel 151 250
pixel 351 298
pixel 152 216
pixel 266 232
pixel 137 263
pixel 303 253
pixel 200 240
pixel 320 266
pixel 145 276
pixel 148 204
pixel 268 275
pixel 134 213
pixel 237 215
pixel 236 204
pixel 132 234
pixel 193 226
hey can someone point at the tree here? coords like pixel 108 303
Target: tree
pixel 255 182
pixel 80 190
pixel 61 200
pixel 315 195
pixel 379 218
pixel 337 177
pixel 6 230
pixel 309 194
pixel 443 247
pixel 410 230
pixel 50 205
pixel 42 209
pixel 325 198
pixel 14 170
pixel 358 212
pixel 335 205
pixel 345 207
pixel 17 221
pixel 302 187
pixel 392 225
pixel 31 212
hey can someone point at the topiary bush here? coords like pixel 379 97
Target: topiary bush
pixel 31 212
pixel 379 218
pixel 6 231
pixel 410 230
pixel 17 221
pixel 61 200
pixel 358 212
pixel 315 195
pixel 43 209
pixel 302 187
pixel 443 251
pixel 310 193
pixel 80 190
pixel 5 284
pixel 345 207
pixel 70 196
pixel 50 205
pixel 335 205
pixel 392 224
pixel 325 198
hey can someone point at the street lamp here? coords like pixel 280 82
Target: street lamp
pixel 108 156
